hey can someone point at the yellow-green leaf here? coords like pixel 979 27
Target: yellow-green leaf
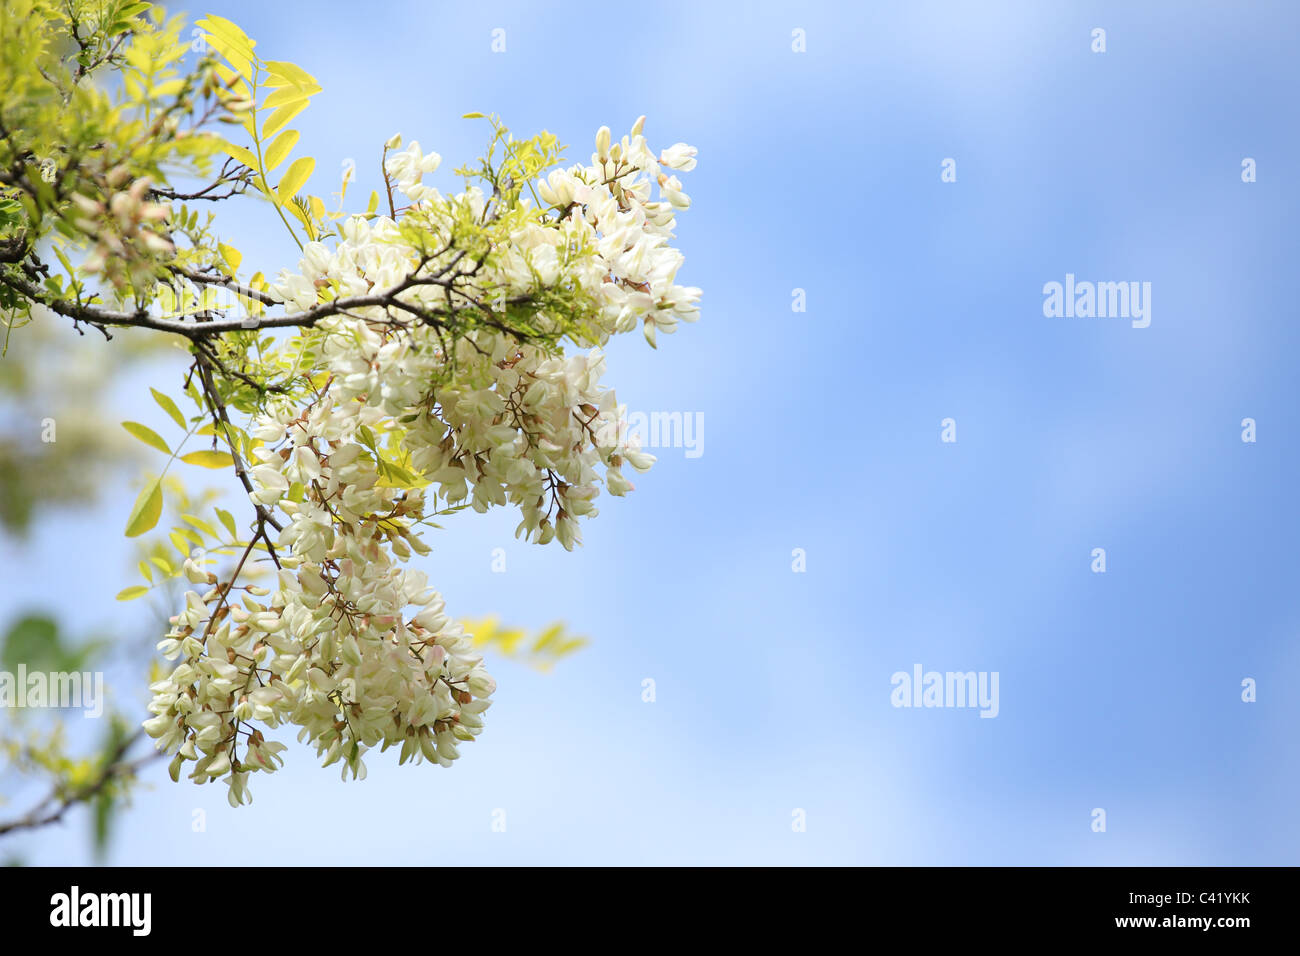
pixel 188 534
pixel 202 525
pixel 168 406
pixel 180 543
pixel 245 156
pixel 278 151
pixel 232 256
pixel 228 76
pixel 134 88
pixel 290 72
pixel 221 27
pixel 547 637
pixel 281 117
pixel 228 520
pixel 234 55
pixel 208 459
pixel 64 259
pixel 302 217
pixel 131 593
pixel 146 511
pixel 147 435
pixel 569 646
pixel 299 172
pixel 286 95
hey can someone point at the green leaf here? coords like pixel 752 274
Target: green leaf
pixel 278 151
pixel 106 800
pixel 32 640
pixel 146 572
pixel 147 435
pixel 228 520
pixel 146 511
pixel 63 258
pixel 169 407
pixel 399 474
pixel 103 822
pixel 209 459
pixel 131 593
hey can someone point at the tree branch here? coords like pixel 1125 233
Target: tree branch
pixel 103 318
pixel 55 805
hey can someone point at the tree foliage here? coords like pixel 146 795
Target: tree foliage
pixel 430 354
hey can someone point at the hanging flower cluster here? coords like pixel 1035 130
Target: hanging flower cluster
pixel 438 381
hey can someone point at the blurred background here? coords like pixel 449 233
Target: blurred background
pixel 770 736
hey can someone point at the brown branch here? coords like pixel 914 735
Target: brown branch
pixel 53 807
pixel 103 318
pixel 238 176
pixel 224 282
pixel 221 417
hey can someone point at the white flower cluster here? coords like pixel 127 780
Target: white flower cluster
pixel 335 649
pixel 352 646
pixel 608 204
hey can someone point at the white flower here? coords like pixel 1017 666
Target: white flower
pixel 409 166
pixel 679 156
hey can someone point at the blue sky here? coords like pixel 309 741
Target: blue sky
pixel 820 171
